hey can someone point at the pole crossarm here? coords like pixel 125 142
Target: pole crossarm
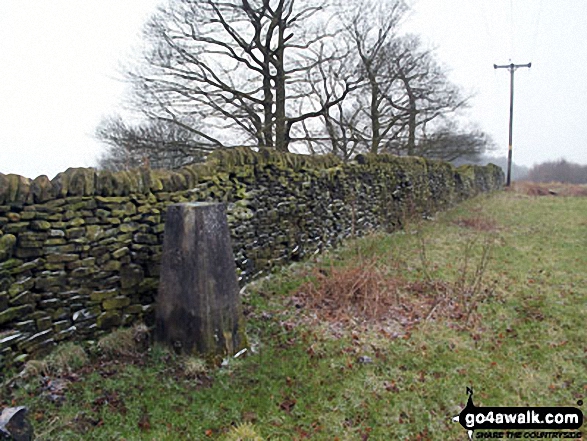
pixel 512 68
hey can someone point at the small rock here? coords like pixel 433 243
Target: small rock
pixel 14 426
pixel 364 359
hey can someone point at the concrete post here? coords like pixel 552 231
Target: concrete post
pixel 198 307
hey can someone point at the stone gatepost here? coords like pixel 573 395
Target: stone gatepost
pixel 198 307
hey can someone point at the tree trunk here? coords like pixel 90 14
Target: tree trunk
pixel 411 148
pixel 375 117
pixel 267 107
pixel 281 129
pixel 198 305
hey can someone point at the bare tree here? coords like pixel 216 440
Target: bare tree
pixel 450 143
pixel 404 92
pixel 428 95
pixel 371 31
pixel 156 144
pixel 230 64
pixel 366 117
pixel 558 171
pixel 330 76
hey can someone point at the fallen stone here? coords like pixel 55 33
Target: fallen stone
pixel 14 425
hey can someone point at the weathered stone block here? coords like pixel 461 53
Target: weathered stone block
pixel 35 339
pixel 76 222
pixel 56 240
pixel 61 325
pixel 62 258
pixel 15 228
pixel 109 319
pixel 42 189
pixel 116 303
pixel 23 298
pixel 62 249
pixel 133 309
pixel 61 313
pixel 112 265
pixel 130 208
pixel 29 253
pixel 28 215
pixel 131 275
pixel 81 273
pixel 65 334
pixel 9 340
pixel 129 227
pixel 49 303
pixel 198 304
pixel 40 225
pixel 148 239
pixel 55 266
pixel 94 232
pixel 74 233
pixel 87 262
pixel 157 229
pixel 7 243
pixel 13 217
pixel 10 314
pixel 44 323
pixel 26 326
pixel 100 296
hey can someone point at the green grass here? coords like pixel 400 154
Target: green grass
pixel 525 346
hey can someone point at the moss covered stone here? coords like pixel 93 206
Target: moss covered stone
pixel 116 303
pixel 100 296
pixel 7 243
pixel 10 314
pixel 109 319
pixel 131 275
pixel 40 225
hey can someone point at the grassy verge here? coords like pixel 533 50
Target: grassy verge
pixel 491 295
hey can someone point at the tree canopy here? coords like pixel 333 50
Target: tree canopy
pixel 284 74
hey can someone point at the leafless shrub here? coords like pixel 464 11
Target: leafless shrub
pixel 371 290
pixel 461 297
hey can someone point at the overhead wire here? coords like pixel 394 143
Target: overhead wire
pixel 511 30
pixel 536 26
pixel 487 28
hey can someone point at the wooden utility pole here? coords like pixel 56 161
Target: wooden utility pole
pixel 512 67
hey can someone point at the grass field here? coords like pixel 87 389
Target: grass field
pixel 376 340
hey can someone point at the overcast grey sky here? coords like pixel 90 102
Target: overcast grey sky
pixel 59 73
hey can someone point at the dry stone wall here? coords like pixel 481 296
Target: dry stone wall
pixel 80 254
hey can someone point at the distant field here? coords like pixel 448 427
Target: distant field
pixel 376 340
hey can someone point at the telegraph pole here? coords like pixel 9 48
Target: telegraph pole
pixel 512 67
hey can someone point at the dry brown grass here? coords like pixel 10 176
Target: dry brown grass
pixel 477 223
pixel 548 189
pixel 359 290
pixel 367 291
pixel 125 341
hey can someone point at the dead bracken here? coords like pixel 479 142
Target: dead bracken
pixel 366 292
